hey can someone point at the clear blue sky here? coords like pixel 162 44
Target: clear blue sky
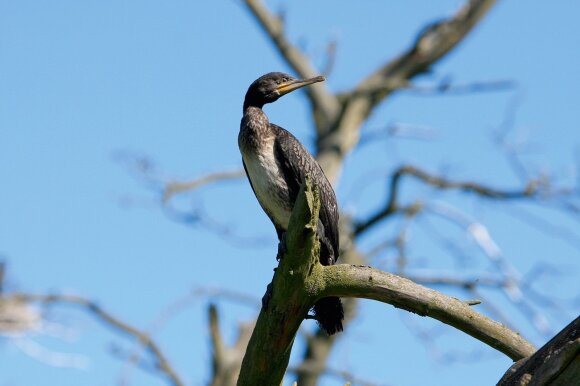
pixel 81 82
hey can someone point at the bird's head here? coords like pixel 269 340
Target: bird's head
pixel 268 88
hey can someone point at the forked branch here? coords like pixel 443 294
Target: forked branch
pixel 392 205
pixel 300 280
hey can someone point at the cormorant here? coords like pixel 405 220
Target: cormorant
pixel 276 164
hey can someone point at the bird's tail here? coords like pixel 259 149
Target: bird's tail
pixel 329 314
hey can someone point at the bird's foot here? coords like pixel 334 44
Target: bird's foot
pixel 267 296
pixel 281 247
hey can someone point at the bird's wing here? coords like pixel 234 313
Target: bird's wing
pixel 296 163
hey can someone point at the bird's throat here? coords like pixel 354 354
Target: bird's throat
pixel 255 132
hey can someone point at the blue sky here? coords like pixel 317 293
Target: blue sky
pixel 83 83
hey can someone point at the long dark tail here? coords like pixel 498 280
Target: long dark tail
pixel 329 314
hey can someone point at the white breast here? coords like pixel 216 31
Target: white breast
pixel 268 182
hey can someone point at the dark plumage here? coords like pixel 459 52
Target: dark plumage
pixel 276 164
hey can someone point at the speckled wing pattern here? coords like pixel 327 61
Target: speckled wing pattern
pixel 296 163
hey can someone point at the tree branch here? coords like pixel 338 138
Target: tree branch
pixel 369 283
pixel 292 296
pixel 162 364
pixel 300 280
pixel 446 88
pixel 433 43
pixel 438 182
pixel 174 187
pixel 226 361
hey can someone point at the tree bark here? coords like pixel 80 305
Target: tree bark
pixel 556 363
pixel 293 294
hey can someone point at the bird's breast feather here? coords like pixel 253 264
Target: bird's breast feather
pixel 269 184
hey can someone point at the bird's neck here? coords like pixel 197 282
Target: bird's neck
pixel 250 101
pixel 255 120
pixel 255 130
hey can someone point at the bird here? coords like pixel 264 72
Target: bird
pixel 276 164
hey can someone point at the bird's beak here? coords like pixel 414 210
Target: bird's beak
pixel 295 84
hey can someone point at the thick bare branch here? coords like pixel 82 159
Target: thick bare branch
pixel 432 44
pixel 300 280
pixel 268 352
pixel 369 283
pixel 162 364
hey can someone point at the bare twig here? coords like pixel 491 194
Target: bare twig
pixel 199 218
pixel 445 88
pixel 181 304
pixel 484 191
pixel 511 151
pixel 511 287
pixel 330 57
pixel 174 187
pixel 398 130
pixel 438 182
pixel 226 361
pixel 161 362
pixel 51 358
